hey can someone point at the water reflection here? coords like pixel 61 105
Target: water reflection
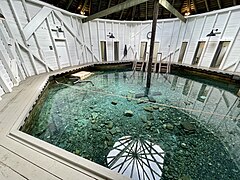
pixel 214 107
pixel 218 109
pixel 136 158
pixel 87 120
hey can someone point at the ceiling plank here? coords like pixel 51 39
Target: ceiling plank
pixel 234 2
pixel 84 6
pixel 170 14
pixel 219 4
pixel 119 7
pixel 121 14
pixel 133 12
pixel 109 4
pixel 69 4
pixel 206 4
pixel 99 5
pixel 194 6
pixel 146 12
pixel 170 8
pixel 188 5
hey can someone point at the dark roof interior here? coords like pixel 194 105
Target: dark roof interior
pixel 142 11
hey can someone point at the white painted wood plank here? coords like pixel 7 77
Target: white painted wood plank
pixel 10 48
pixel 73 32
pixel 53 42
pixel 22 34
pixel 6 87
pixel 7 173
pixel 36 22
pixel 34 56
pixel 4 59
pixel 34 35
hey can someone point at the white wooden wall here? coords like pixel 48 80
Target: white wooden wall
pixel 36 38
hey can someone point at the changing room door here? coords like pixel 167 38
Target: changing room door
pixel 62 53
pixel 155 51
pixel 143 51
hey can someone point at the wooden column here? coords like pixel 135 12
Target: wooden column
pixel 154 25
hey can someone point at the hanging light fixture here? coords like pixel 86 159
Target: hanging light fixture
pixel 213 33
pixel 2 16
pixel 187 13
pixel 110 35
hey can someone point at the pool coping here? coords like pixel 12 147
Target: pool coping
pixel 16 141
pixel 22 147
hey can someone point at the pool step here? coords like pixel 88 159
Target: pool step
pixel 82 74
pixel 142 66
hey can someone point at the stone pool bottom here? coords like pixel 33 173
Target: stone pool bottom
pixel 87 120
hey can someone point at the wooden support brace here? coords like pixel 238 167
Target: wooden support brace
pixel 4 84
pixel 7 67
pixel 170 8
pixel 36 57
pixel 117 8
pixel 32 26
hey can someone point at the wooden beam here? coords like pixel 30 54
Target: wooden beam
pixel 206 4
pixel 119 7
pixel 154 26
pixel 69 4
pixel 219 4
pixel 170 8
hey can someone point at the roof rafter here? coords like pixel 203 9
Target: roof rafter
pixel 109 4
pixel 84 6
pixel 206 4
pixel 170 8
pixel 99 5
pixel 219 4
pixel 194 6
pixel 234 2
pixel 146 12
pixel 119 7
pixel 133 12
pixel 170 14
pixel 69 4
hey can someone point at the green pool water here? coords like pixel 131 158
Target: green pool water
pixel 195 124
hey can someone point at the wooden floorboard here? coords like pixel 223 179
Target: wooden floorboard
pixel 20 159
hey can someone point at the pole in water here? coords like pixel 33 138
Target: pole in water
pixel 154 25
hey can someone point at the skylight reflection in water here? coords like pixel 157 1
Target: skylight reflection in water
pixel 196 125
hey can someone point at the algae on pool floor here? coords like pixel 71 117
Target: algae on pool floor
pixel 87 120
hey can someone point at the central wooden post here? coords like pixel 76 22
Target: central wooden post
pixel 154 25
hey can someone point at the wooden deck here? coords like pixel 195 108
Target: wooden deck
pixel 25 157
